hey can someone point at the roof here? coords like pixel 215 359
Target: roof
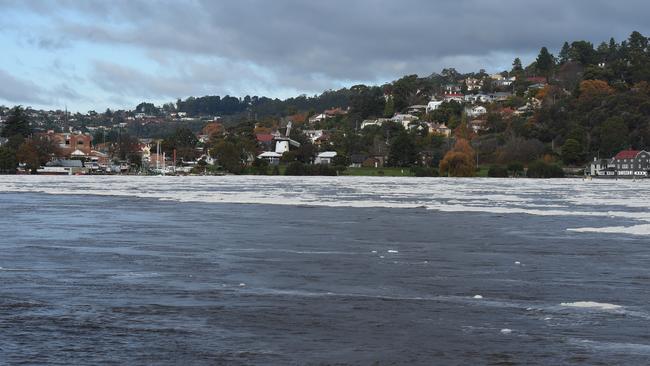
pixel 78 152
pixel 358 158
pixel 327 154
pixel 264 137
pixel 269 154
pixel 627 154
pixel 66 163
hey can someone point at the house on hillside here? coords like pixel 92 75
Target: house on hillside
pixel 439 129
pixel 454 97
pixel 433 105
pixel 473 83
pixel 475 111
pixel 416 109
pixel 404 119
pixel 318 118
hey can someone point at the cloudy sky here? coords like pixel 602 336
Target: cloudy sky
pixel 96 54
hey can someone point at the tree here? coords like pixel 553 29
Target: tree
pixel 403 152
pixel 45 147
pixel 228 156
pixel 613 136
pixel 183 141
pixel 565 53
pixel 17 124
pixel 389 108
pixel 572 152
pixel 28 155
pixel 125 147
pixel 583 52
pixel 591 89
pixel 516 66
pixel 542 169
pixel 498 171
pixel 459 161
pixel 7 160
pixel 545 61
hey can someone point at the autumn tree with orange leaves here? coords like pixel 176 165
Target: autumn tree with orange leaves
pixel 459 161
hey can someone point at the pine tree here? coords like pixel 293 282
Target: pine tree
pixel 545 61
pixel 17 124
pixel 565 53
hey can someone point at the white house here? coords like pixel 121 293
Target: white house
pixel 313 134
pixel 318 118
pixel 418 108
pixel 271 156
pixel 433 105
pixel 404 119
pixel 454 97
pixel 325 157
pixel 475 111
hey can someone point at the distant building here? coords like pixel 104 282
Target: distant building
pixel 433 105
pixel 631 163
pixel 325 157
pixel 404 119
pixel 626 164
pixel 475 111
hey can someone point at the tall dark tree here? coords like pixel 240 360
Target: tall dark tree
pixel 403 152
pixel 545 61
pixel 583 52
pixel 516 66
pixel 565 53
pixel 17 123
pixel 7 160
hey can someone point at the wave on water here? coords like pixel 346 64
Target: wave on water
pixel 551 197
pixel 642 230
pixel 591 305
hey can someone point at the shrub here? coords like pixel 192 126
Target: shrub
pixel 540 169
pixel 497 171
pixel 422 171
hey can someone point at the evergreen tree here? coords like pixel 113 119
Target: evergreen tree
pixel 545 61
pixel 17 124
pixel 516 66
pixel 565 53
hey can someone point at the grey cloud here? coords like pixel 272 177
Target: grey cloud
pixel 310 45
pixel 15 90
pixel 353 40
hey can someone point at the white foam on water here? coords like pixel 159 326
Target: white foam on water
pixel 591 305
pixel 392 251
pixel 630 348
pixel 506 331
pixel 554 197
pixel 642 230
pixel 478 296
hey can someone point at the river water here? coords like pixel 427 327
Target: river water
pixel 294 271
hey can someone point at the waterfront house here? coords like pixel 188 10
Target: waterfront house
pixel 602 168
pixel 631 163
